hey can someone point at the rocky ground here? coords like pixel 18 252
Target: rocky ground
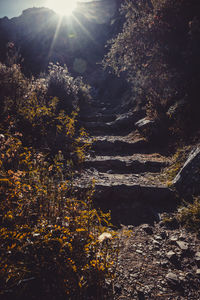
pixel 155 262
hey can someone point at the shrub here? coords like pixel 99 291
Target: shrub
pixel 71 92
pixel 51 242
pixel 177 161
pixel 189 215
pixel 13 85
pixel 42 118
pixel 157 49
pixel 49 231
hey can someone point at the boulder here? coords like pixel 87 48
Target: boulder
pixel 187 180
pixel 128 119
pixel 151 129
pixel 144 124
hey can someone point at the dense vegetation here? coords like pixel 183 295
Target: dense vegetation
pixel 158 51
pixel 52 239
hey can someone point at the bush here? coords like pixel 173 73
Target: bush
pixel 189 215
pixel 71 92
pixel 28 108
pixel 53 243
pixel 157 49
pixel 13 86
pixel 50 235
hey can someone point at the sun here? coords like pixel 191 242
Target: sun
pixel 62 7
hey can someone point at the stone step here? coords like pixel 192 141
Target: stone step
pixel 125 122
pixel 97 108
pixel 126 164
pixel 99 117
pixel 110 179
pixel 97 128
pixel 119 145
pixel 132 199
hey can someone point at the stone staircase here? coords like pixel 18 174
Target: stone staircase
pixel 126 169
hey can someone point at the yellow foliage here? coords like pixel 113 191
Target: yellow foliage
pixel 36 192
pixel 48 230
pixel 189 215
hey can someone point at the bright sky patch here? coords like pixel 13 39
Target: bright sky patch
pixel 62 7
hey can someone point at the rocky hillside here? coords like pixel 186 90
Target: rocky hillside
pixel 41 36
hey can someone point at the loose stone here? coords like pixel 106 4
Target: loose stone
pixel 182 245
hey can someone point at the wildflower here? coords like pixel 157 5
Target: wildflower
pixel 104 236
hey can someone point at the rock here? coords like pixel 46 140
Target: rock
pixel 124 120
pixel 129 201
pixel 182 279
pixel 172 279
pixel 183 237
pixel 157 237
pixel 130 227
pixel 173 258
pixel 144 123
pixel 189 275
pixel 197 259
pixel 139 251
pixel 182 245
pixel 171 255
pixel 163 234
pixel 162 224
pixel 2 137
pixel 198 272
pixel 134 276
pixel 173 239
pixel 146 127
pixel 117 288
pixel 159 254
pixel 156 243
pixel 197 255
pixel 147 228
pixel 187 180
pixel 164 263
pixel 152 129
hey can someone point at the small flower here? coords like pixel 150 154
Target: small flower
pixel 104 236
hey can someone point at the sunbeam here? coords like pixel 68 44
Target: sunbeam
pixel 55 36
